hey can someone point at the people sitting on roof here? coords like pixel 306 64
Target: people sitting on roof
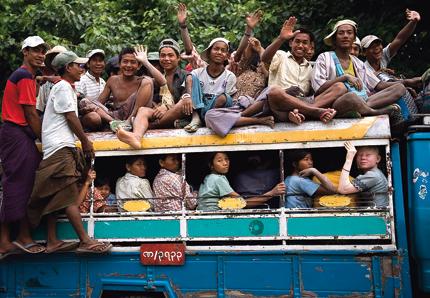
pixel 367 95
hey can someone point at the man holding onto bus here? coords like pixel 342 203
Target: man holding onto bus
pixel 56 183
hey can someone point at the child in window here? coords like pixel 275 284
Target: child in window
pixel 168 187
pixel 132 185
pixel 103 186
pixel 84 198
pixel 216 186
pixel 372 180
pixel 300 188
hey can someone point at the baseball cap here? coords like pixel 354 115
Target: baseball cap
pixel 367 40
pixel 205 54
pixel 170 43
pixel 327 39
pixel 56 50
pixel 91 53
pixel 34 41
pixel 65 58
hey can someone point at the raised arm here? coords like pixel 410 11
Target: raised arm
pixel 91 175
pixel 345 186
pixel 285 34
pixel 252 21
pixel 413 17
pixel 140 53
pixel 185 35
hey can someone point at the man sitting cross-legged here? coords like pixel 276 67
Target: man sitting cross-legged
pixel 290 78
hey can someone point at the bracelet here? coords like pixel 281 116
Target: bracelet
pixel 183 26
pixel 185 95
pixel 343 169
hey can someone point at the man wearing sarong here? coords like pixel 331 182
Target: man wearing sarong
pixel 18 153
pixel 56 183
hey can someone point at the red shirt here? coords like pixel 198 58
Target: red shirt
pixel 20 90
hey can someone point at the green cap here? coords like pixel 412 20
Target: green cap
pixel 65 58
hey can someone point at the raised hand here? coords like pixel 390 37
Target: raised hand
pixel 255 44
pixel 182 14
pixel 254 18
pixel 412 15
pixel 350 150
pixel 140 52
pixel 287 29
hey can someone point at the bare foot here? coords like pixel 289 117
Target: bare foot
pixel 296 117
pixel 269 121
pixel 128 138
pixel 6 247
pixel 327 115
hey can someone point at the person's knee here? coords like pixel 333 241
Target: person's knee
pixel 399 89
pixel 275 92
pixel 92 121
pixel 339 88
pixel 145 112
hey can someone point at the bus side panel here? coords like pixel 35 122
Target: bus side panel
pixel 209 274
pixel 419 204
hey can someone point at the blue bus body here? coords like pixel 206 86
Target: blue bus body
pixel 290 255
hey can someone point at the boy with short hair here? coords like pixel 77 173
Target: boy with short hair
pixel 169 187
pixel 371 179
pixel 132 185
pixel 56 183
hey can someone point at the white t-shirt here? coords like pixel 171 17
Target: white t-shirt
pixel 224 83
pixel 56 133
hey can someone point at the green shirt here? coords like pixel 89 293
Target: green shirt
pixel 214 187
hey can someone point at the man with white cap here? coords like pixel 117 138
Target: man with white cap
pixel 217 84
pixel 48 79
pixel 378 57
pixel 92 84
pixel 366 95
pixel 55 186
pixel 18 153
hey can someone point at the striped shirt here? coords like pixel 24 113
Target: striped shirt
pixel 325 70
pixel 88 86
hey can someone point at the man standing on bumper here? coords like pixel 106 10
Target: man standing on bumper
pixel 55 186
pixel 18 153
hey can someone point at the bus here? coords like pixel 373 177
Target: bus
pixel 351 250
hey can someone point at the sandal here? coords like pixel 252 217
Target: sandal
pixel 95 248
pixel 192 127
pixel 181 123
pixel 62 247
pixel 27 247
pixel 117 124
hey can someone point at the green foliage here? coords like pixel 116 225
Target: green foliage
pixel 108 24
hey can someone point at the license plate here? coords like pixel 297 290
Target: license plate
pixel 167 254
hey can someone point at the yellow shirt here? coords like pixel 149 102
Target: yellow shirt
pixel 285 72
pixel 350 70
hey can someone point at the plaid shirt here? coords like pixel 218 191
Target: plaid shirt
pixel 168 190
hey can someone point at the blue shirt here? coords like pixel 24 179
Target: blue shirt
pixel 299 192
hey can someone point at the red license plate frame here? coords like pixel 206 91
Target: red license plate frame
pixel 162 254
